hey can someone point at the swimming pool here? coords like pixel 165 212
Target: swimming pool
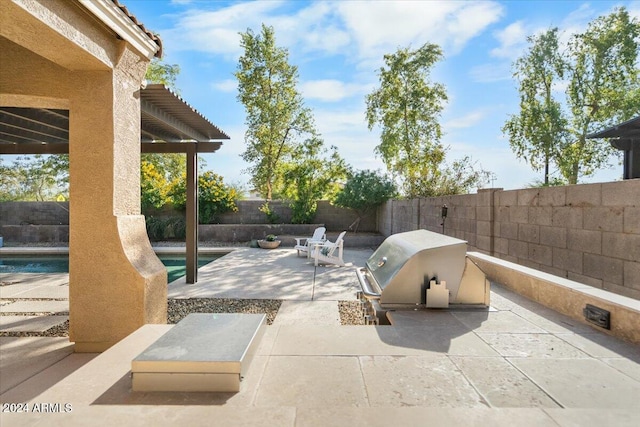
pixel 175 264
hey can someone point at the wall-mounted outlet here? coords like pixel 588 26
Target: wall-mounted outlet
pixel 598 316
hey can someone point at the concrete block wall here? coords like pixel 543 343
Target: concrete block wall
pixel 33 222
pixel 589 233
pixel 38 213
pixel 333 217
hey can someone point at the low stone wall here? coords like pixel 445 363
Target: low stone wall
pixel 246 232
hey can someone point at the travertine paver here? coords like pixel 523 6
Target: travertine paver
pixel 36 307
pixel 314 381
pixel 308 312
pixel 581 383
pixel 432 381
pixel 500 321
pixel 531 345
pixel 28 291
pixel 501 384
pixel 29 323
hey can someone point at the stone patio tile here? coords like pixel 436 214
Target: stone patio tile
pixel 626 366
pixel 308 312
pixel 33 291
pixel 552 321
pixel 314 381
pixel 29 323
pixel 319 340
pixel 598 344
pixel 531 345
pixel 272 274
pixel 36 307
pixel 418 416
pixel 98 416
pixel 432 381
pixel 496 321
pixel 595 417
pixel 52 372
pixel 501 384
pixel 23 357
pixel 453 339
pixel 33 279
pixel 581 383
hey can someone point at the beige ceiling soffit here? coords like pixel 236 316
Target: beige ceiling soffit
pixel 111 15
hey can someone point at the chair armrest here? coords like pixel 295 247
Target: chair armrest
pixel 298 240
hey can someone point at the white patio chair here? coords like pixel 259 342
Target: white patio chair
pixel 326 253
pixel 306 244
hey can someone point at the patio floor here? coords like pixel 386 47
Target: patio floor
pixel 517 364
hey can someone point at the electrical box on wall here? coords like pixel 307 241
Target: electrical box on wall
pixel 598 316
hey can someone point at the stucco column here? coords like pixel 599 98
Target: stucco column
pixel 117 284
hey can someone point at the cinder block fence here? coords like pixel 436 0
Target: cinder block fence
pixel 589 233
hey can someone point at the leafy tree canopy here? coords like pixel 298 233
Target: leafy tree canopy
pixel 600 68
pixel 407 106
pixel 364 191
pixel 537 132
pixel 314 173
pixel 277 120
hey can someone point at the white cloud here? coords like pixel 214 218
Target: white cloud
pixel 228 85
pixel 513 40
pixel 218 31
pixel 382 26
pixel 331 90
pixel 466 121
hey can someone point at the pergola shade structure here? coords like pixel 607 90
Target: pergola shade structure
pixel 168 125
pixel 625 137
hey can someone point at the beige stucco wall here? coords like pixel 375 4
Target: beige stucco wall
pixel 589 233
pixel 55 55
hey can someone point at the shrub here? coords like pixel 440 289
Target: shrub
pixel 365 191
pixel 214 197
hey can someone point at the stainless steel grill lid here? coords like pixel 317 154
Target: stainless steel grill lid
pixel 404 264
pixel 400 271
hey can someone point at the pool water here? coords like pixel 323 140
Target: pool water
pixel 176 265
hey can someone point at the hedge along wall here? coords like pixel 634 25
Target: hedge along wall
pixel 589 233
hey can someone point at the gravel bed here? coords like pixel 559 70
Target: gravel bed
pixel 180 308
pixel 350 313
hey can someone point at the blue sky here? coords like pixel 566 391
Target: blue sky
pixel 338 48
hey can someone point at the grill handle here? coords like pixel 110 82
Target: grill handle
pixel 366 287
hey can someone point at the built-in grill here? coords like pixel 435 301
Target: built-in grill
pixel 420 269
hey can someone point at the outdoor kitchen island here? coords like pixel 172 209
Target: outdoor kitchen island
pixel 420 269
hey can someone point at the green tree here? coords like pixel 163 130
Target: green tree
pixel 604 89
pixel 161 72
pixel 538 131
pixel 314 173
pixel 277 120
pixel 364 191
pixel 35 178
pixel 407 106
